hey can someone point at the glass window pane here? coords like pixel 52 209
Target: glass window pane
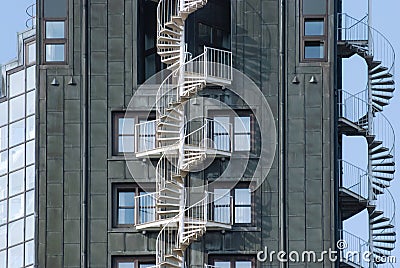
pixel 314 7
pixel 31 53
pixel 17 108
pixel 16 182
pixel 126 216
pixel 146 265
pixel 242 215
pixel 126 126
pixel 242 142
pixel 222 264
pixel 55 29
pixel 16 256
pixel 30 128
pixel 221 133
pixel 3 138
pixel 16 207
pixel 30 152
pixel 243 264
pixel 3 187
pixel 126 265
pixel 242 124
pixel 17 83
pixel 314 27
pixel 242 196
pixel 126 199
pixel 126 144
pixel 55 52
pixel 3 212
pixel 30 202
pixel 30 78
pixel 29 252
pixel 55 8
pixel 15 232
pixel 3 237
pixel 17 132
pixel 150 65
pixel 314 50
pixel 4 113
pixel 17 157
pixel 146 208
pixel 3 259
pixel 30 177
pixel 3 162
pixel 29 227
pixel 30 103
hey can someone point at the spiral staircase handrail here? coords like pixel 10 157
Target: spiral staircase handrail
pixel 360 30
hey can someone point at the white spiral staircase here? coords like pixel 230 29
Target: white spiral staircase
pixel 181 216
pixel 361 115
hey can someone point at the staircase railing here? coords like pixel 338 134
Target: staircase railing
pixel 169 238
pixel 354 179
pixel 166 9
pixel 199 68
pixel 378 46
pixel 354 252
pixel 384 132
pixel 386 203
pixel 354 108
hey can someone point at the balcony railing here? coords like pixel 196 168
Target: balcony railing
pixel 356 247
pixel 354 179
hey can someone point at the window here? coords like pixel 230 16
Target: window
pixel 235 261
pixel 55 14
pixel 242 126
pixel 149 62
pixel 133 262
pixel 124 133
pixel 212 36
pixel 241 202
pixel 125 211
pixel 314 36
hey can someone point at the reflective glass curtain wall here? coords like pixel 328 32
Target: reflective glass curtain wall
pixel 17 164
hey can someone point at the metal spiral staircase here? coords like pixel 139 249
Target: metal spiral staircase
pixel 182 215
pixel 361 115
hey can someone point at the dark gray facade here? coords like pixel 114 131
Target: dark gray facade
pixel 295 208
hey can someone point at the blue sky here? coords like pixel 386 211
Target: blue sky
pixel 385 19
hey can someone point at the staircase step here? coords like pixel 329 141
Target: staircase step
pixel 382 96
pixel 376 190
pixel 387 171
pixel 170 117
pixel 381 227
pixel 170 191
pixel 174 26
pixel 379 150
pixel 169 264
pixel 384 164
pixel 199 230
pixel 164 205
pixel 380 184
pixel 383 89
pixel 384 234
pixel 380 102
pixel 377 108
pixel 389 248
pixel 168 39
pixel 169 124
pixel 178 20
pixel 381 254
pixel 169 53
pixel 373 64
pixel 383 178
pixel 379 220
pixel 378 69
pixel 374 144
pixel 173 211
pixel 383 83
pixel 170 32
pixel 170 60
pixel 381 157
pixel 170 198
pixel 375 214
pixel 168 139
pixel 173 258
pixel 178 251
pixel 381 76
pixel 161 131
pixel 389 241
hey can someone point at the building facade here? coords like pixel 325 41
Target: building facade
pixel 194 133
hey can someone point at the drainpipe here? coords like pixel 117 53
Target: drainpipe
pixel 282 96
pixel 85 134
